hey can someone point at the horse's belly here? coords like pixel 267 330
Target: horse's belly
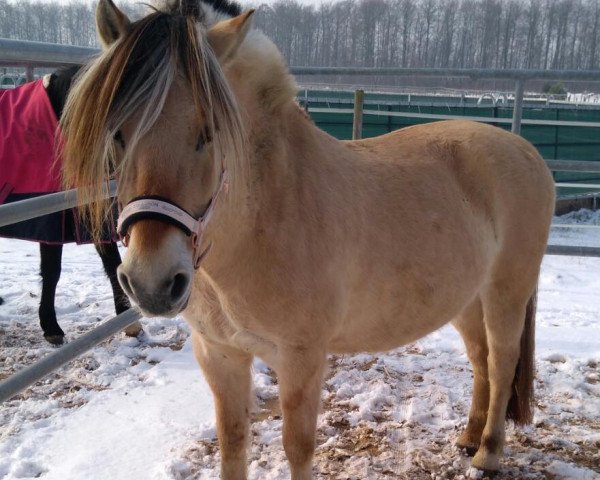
pixel 394 325
pixel 381 334
pixel 402 306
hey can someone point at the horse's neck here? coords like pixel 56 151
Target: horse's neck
pixel 289 151
pixel 289 159
pixel 290 162
pixel 274 183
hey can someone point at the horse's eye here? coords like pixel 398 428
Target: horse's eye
pixel 119 139
pixel 203 139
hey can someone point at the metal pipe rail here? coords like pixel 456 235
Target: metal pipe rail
pixel 585 226
pixel 473 73
pixel 28 376
pixel 439 116
pixel 573 166
pixel 40 54
pixel 584 186
pixel 43 205
pixel 574 251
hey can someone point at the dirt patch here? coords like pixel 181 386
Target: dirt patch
pixel 385 447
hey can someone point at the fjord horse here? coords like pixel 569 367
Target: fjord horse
pixel 51 231
pixel 274 239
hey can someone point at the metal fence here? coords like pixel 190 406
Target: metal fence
pixel 31 55
pixel 26 210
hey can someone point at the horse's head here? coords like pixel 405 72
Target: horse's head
pixel 155 107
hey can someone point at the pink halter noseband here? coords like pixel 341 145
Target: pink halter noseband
pixel 159 208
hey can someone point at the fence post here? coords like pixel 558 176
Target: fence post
pixel 29 73
pixel 358 115
pixel 518 107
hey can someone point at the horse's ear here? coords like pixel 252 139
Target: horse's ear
pixel 226 36
pixel 111 22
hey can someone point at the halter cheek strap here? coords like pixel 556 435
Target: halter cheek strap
pixel 152 207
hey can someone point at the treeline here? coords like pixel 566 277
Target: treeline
pixel 545 34
pixel 49 21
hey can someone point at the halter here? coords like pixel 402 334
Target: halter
pixel 155 207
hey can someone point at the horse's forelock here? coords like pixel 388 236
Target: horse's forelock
pixel 135 75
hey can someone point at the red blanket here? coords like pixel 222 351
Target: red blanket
pixel 28 130
pixel 28 127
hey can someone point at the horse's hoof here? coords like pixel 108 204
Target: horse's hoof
pixel 134 329
pixel 55 339
pixel 486 461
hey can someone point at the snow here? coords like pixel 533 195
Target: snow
pixel 125 410
pixel 580 98
pixel 140 408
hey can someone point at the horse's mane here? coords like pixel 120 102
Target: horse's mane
pixel 135 74
pixel 206 10
pixel 226 7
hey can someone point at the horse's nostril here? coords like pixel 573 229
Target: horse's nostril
pixel 124 281
pixel 179 285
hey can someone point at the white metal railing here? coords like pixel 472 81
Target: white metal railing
pixel 43 205
pixel 439 116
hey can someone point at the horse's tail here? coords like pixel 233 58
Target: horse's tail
pixel 520 405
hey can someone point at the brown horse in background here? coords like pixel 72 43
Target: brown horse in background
pixel 276 240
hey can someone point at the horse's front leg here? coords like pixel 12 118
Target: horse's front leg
pixel 50 268
pixel 227 371
pixel 300 374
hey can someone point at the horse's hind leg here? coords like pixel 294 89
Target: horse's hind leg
pixel 111 259
pixel 472 329
pixel 505 317
pixel 50 267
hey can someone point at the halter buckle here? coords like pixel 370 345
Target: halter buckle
pixel 199 255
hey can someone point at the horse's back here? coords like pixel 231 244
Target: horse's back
pixel 494 170
pixel 460 144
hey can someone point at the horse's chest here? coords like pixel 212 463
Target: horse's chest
pixel 219 324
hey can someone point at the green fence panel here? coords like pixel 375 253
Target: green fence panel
pixel 553 142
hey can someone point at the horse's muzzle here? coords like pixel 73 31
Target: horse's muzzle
pixel 166 298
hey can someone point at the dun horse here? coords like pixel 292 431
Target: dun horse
pixel 27 159
pixel 276 240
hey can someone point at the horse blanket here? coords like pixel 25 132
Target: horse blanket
pixel 29 166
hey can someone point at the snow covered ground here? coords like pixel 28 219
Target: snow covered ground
pixel 140 409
